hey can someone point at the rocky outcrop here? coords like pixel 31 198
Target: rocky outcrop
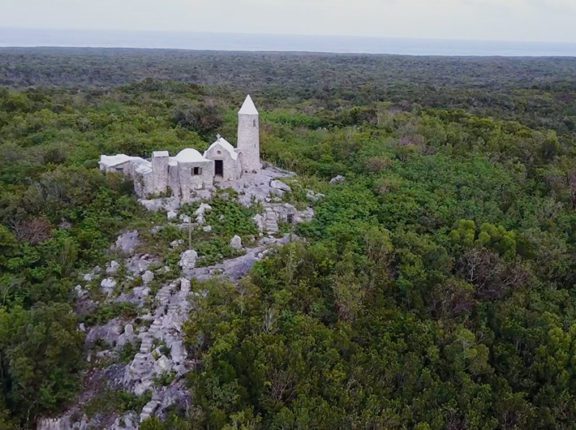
pixel 153 340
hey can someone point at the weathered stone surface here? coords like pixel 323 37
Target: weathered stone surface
pixel 127 337
pixel 279 185
pixel 138 264
pixel 304 216
pixel 188 261
pixel 259 221
pixel 176 243
pixel 80 292
pixel 88 277
pixel 147 277
pixel 63 423
pixel 202 209
pixel 171 215
pixel 112 267
pixel 166 204
pixel 277 194
pixel 185 219
pixel 314 197
pixel 337 180
pixel 108 332
pixel 128 421
pixel 108 285
pixel 127 242
pixel 236 242
pixel 207 228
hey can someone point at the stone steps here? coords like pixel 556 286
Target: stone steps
pixel 146 345
pixel 270 221
pixel 149 409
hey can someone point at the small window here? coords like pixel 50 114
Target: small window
pixel 196 171
pixel 254 123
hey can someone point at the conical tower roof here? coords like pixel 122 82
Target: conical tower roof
pixel 248 107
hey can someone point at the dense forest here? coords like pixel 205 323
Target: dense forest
pixel 434 289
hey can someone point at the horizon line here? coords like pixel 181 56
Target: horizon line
pixel 298 35
pixel 253 42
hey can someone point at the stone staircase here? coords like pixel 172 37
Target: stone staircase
pixel 149 408
pixel 270 221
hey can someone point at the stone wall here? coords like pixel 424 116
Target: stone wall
pixel 189 182
pixel 160 171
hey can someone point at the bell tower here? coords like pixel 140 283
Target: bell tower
pixel 249 136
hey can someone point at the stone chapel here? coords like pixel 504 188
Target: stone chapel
pixel 190 170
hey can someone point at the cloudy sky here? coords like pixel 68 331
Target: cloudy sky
pixel 508 20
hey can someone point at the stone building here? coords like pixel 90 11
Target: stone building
pixel 189 170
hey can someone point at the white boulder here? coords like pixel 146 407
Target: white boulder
pixel 112 267
pixel 108 285
pixel 236 242
pixel 337 180
pixel 188 261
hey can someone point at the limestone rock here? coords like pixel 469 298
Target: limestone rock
pixel 204 207
pixel 128 421
pixel 80 292
pixel 63 423
pixel 108 285
pixel 278 185
pixel 167 204
pixel 127 242
pixel 276 192
pixel 171 215
pixel 337 180
pixel 176 243
pixel 185 219
pixel 236 242
pixel 207 228
pixel 259 221
pixel 108 332
pixel 188 261
pixel 112 267
pixel 201 213
pixel 185 285
pixel 162 365
pixel 88 277
pixel 126 337
pixel 138 264
pixel 314 197
pixel 147 277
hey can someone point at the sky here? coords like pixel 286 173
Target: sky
pixel 502 20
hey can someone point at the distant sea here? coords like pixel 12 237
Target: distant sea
pixel 252 42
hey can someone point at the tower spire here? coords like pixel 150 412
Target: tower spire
pixel 248 107
pixel 249 136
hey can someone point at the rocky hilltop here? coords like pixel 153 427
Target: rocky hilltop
pixel 137 304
